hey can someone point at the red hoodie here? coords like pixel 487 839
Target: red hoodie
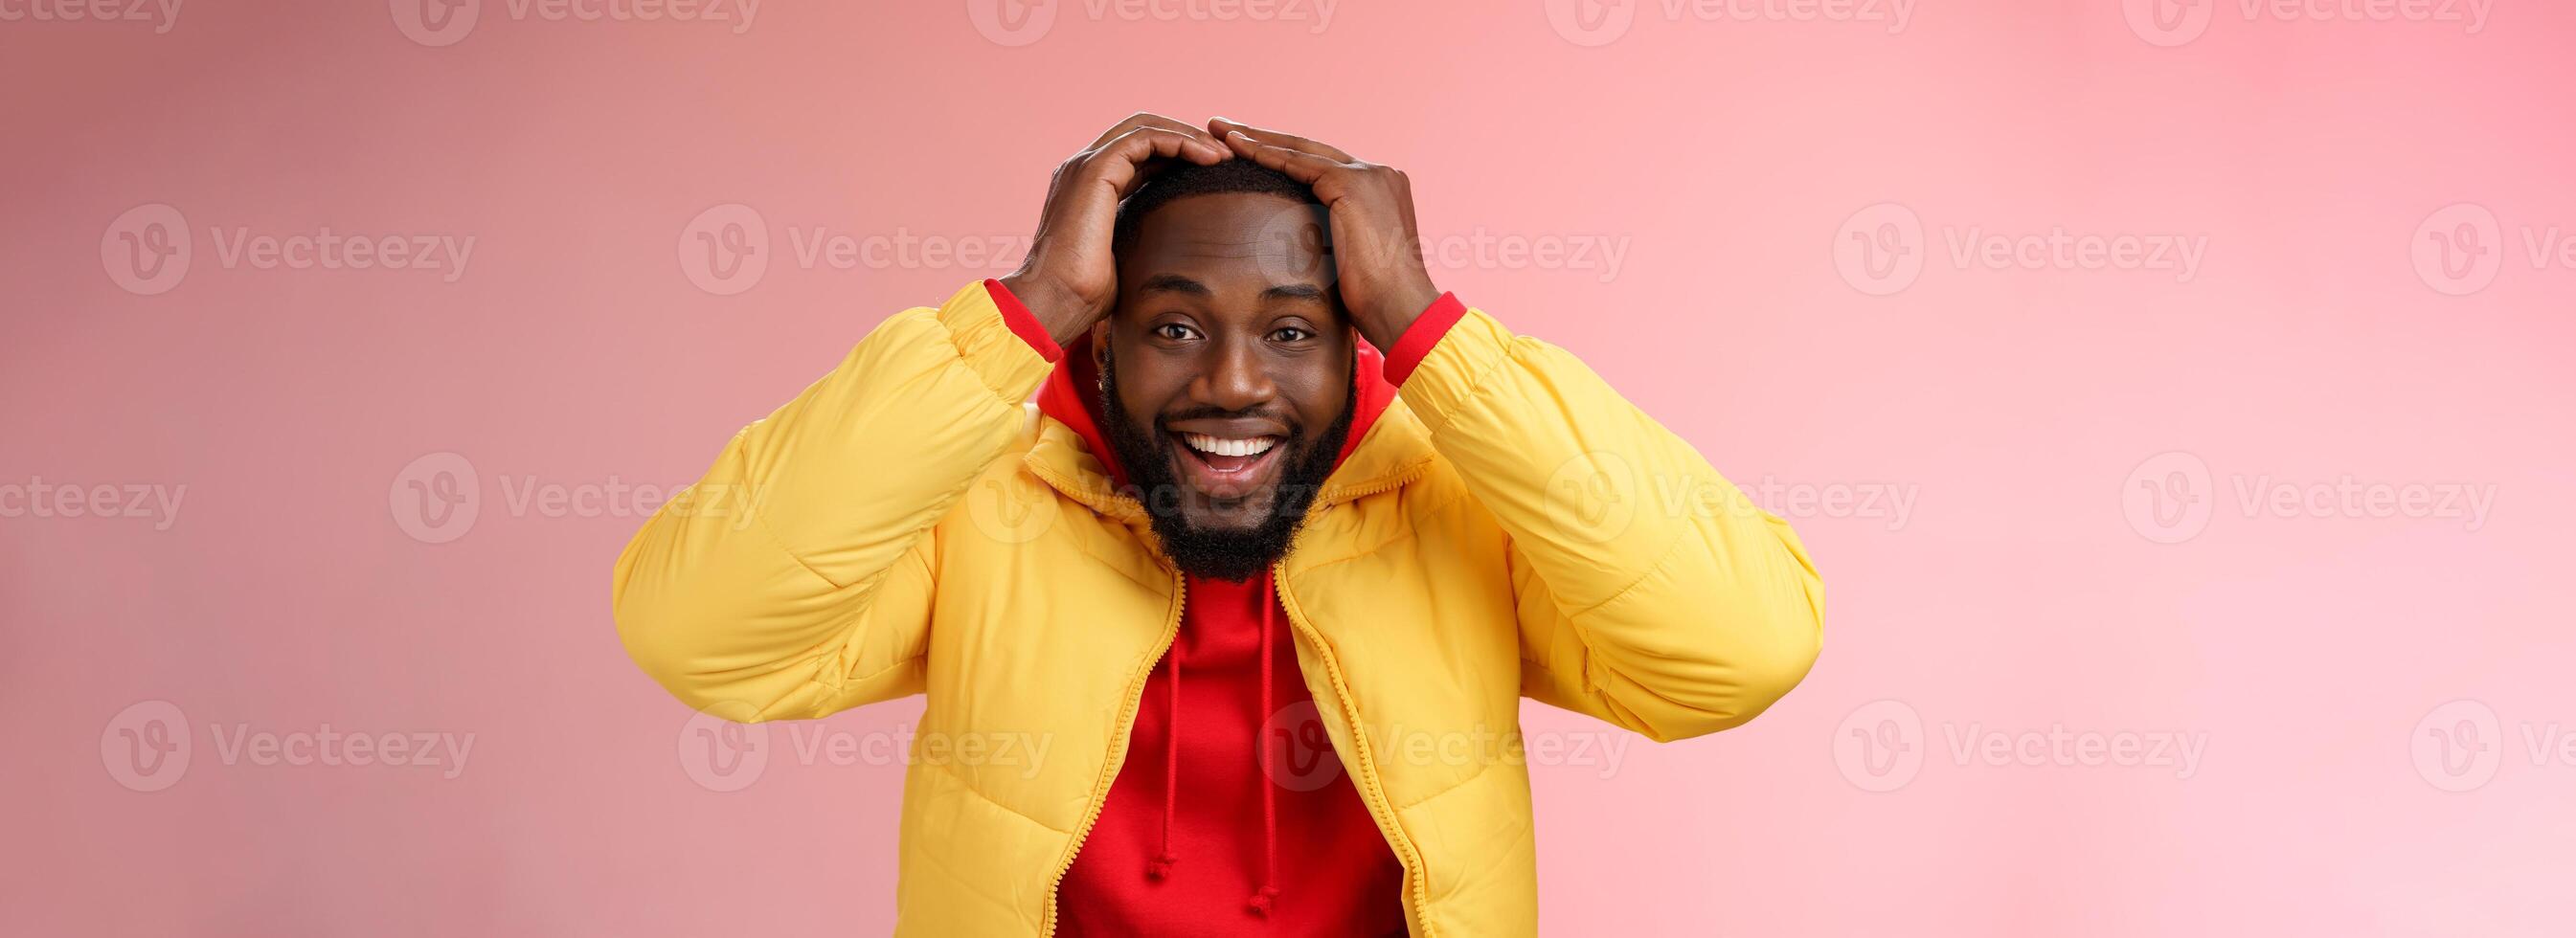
pixel 1197 837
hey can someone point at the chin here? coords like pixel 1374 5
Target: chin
pixel 1227 523
pixel 1236 538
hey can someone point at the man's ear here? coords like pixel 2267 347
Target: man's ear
pixel 1100 344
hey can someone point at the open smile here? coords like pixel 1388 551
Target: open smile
pixel 1227 469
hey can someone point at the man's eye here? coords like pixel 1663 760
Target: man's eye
pixel 1173 331
pixel 1290 334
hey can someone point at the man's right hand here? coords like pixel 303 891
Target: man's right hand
pixel 1069 280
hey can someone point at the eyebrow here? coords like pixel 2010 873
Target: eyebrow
pixel 1175 283
pixel 1295 291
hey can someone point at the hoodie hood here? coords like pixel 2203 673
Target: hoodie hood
pixel 1071 395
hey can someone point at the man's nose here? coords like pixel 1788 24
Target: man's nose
pixel 1237 378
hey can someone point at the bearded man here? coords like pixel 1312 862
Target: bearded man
pixel 1279 510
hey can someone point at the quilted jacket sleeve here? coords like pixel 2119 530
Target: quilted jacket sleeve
pixel 1651 592
pixel 794 579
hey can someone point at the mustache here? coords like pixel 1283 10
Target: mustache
pixel 1296 428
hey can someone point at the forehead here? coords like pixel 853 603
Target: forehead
pixel 1235 243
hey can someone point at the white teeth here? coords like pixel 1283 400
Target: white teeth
pixel 1221 446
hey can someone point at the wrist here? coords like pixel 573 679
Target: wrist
pixel 1388 323
pixel 1062 314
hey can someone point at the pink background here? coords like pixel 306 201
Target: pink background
pixel 2367 690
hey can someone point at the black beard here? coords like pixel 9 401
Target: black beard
pixel 1225 555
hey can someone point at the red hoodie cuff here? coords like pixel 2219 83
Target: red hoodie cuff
pixel 1025 324
pixel 1418 339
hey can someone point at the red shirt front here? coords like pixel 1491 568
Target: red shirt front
pixel 1335 874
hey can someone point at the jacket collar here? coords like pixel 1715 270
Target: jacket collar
pixel 1388 445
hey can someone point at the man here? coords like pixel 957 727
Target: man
pixel 1228 570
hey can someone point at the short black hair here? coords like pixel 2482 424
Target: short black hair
pixel 1180 180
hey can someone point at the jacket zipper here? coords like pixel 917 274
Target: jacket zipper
pixel 1370 787
pixel 1372 790
pixel 1117 749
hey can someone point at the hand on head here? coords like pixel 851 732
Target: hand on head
pixel 1069 279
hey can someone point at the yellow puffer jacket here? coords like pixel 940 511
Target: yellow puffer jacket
pixel 1509 527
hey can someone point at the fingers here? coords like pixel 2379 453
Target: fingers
pixel 1221 127
pixel 1150 119
pixel 1125 161
pixel 1304 167
pixel 1145 143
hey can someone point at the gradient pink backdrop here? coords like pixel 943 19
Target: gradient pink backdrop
pixel 2367 690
